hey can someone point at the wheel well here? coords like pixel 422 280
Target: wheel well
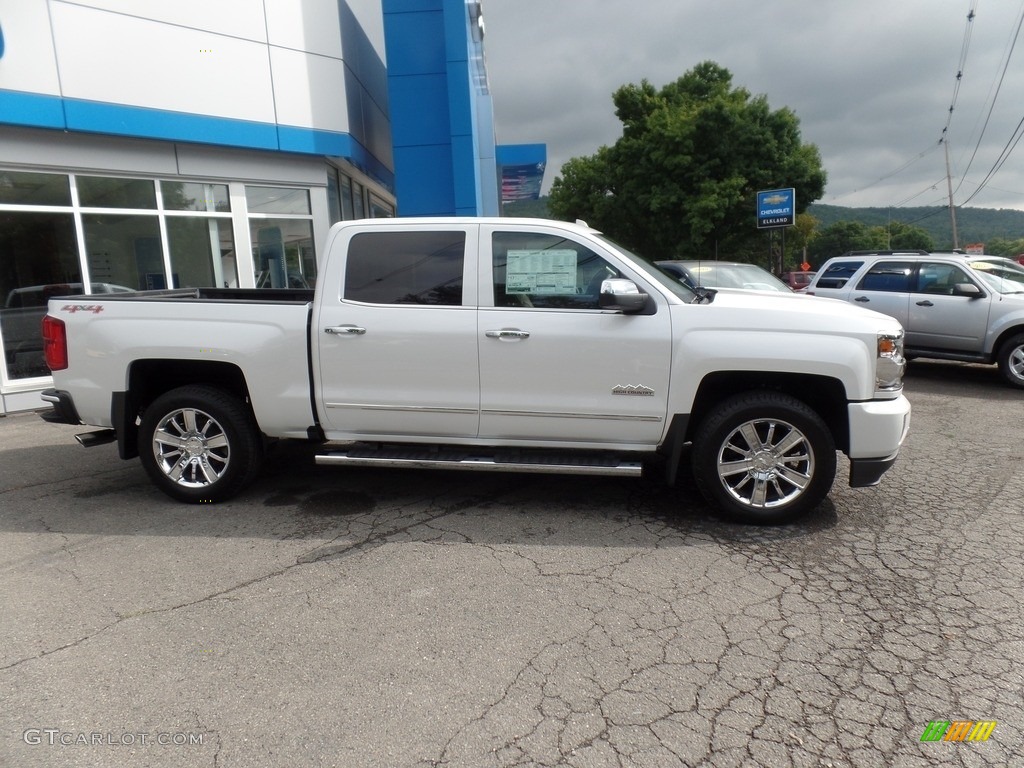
pixel 1003 337
pixel 148 379
pixel 825 395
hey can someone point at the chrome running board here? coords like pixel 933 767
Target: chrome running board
pixel 496 460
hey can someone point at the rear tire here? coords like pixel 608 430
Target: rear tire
pixel 200 444
pixel 764 458
pixel 1011 361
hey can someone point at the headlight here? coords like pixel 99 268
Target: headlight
pixel 889 362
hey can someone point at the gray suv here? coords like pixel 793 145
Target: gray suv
pixel 953 306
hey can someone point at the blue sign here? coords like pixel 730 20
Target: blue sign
pixel 776 208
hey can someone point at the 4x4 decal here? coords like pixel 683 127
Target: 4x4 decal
pixel 72 308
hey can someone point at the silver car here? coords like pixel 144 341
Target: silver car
pixel 953 306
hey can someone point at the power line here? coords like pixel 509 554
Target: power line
pixel 889 175
pixel 1011 44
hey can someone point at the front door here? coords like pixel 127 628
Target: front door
pixel 397 350
pixel 943 318
pixel 553 365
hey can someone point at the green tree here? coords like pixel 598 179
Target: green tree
pixel 799 239
pixel 897 236
pixel 682 179
pixel 1001 246
pixel 839 238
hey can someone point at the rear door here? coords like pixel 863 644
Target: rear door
pixel 397 351
pixel 554 367
pixel 885 288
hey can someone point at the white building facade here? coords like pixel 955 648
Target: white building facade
pixel 148 144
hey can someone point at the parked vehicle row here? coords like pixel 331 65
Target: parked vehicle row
pixel 953 306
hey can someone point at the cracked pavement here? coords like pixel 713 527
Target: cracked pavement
pixel 346 617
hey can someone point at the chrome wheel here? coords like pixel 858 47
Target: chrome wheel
pixel 200 444
pixel 763 457
pixel 191 448
pixel 1015 362
pixel 1011 361
pixel 765 463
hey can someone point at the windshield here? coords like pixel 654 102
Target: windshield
pixel 999 274
pixel 748 276
pixel 652 272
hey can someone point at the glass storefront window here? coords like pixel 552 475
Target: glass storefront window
pixel 346 198
pixel 104 192
pixel 282 252
pixel 34 188
pixel 202 252
pixel 359 207
pixel 277 200
pixel 379 209
pixel 124 250
pixel 193 196
pixel 38 260
pixel 333 196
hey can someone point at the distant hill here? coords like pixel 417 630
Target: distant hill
pixel 974 225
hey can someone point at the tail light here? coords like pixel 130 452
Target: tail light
pixel 55 343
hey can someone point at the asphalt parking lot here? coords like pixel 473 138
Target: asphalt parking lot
pixel 343 617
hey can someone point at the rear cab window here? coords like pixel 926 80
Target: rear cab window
pixel 406 268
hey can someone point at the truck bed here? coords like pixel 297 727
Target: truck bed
pixel 243 295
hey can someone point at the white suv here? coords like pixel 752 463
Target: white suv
pixel 953 306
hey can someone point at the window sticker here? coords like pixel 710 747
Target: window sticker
pixel 545 272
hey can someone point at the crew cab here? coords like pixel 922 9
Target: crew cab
pixel 492 344
pixel 953 306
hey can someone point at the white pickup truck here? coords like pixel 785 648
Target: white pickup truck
pixel 490 344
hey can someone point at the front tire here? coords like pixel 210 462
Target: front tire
pixel 1011 361
pixel 199 444
pixel 764 458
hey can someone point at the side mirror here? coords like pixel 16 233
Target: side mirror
pixel 967 289
pixel 622 295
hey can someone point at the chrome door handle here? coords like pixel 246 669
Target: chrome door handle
pixel 925 303
pixel 342 330
pixel 507 333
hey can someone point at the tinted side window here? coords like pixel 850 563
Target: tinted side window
pixel 836 275
pixel 405 268
pixel 890 276
pixel 546 272
pixel 939 278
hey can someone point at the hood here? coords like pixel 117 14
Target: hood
pixel 768 311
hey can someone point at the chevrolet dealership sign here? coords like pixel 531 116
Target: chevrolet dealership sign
pixel 776 208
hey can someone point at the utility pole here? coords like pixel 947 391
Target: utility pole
pixel 949 186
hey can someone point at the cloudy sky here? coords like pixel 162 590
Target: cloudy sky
pixel 871 82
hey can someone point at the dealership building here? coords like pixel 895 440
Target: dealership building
pixel 147 144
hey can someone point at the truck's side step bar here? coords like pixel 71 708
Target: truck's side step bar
pixel 484 460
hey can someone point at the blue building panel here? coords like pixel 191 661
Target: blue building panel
pixel 464 100
pixel 415 118
pixel 31 109
pixel 465 174
pixel 460 101
pixel 314 142
pixel 118 119
pixel 425 183
pixel 410 6
pixel 412 43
